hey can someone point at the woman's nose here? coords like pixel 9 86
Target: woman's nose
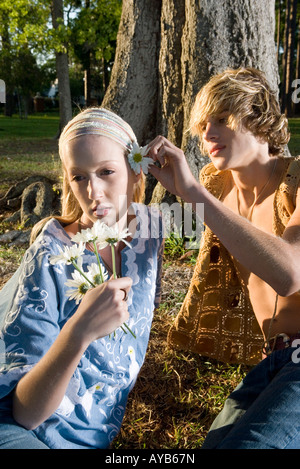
pixel 95 189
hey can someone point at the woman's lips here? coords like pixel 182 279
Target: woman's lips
pixel 102 211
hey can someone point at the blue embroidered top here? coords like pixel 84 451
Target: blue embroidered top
pixel 34 308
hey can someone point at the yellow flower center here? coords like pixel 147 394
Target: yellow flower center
pixel 111 240
pixel 137 158
pixel 97 279
pixel 83 288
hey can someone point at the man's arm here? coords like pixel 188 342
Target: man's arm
pixel 275 260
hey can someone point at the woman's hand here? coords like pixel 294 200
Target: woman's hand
pixel 102 310
pixel 174 173
pixel 41 390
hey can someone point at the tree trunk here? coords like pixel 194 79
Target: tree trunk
pixel 278 32
pixel 6 70
pixel 167 50
pixel 288 57
pixel 62 70
pixel 87 81
pixel 291 54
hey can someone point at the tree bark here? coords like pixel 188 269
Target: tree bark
pixel 167 50
pixel 133 89
pixel 62 70
pixel 290 56
pixel 6 68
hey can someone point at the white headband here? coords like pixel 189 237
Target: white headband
pixel 100 121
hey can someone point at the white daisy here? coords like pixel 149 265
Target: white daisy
pixel 113 235
pixel 68 255
pixel 94 234
pixel 94 274
pixel 138 160
pixel 79 287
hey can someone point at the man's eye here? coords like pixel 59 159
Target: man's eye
pixel 223 120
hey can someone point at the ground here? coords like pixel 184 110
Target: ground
pixel 177 394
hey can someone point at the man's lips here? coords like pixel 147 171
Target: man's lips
pixel 216 150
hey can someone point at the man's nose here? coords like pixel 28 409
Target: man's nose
pixel 210 131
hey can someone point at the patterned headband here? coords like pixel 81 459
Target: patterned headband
pixel 100 121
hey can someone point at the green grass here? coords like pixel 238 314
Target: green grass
pixel 42 125
pixel 28 146
pixel 35 126
pixel 294 144
pixel 177 394
pixel 22 158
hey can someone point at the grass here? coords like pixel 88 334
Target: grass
pixel 294 144
pixel 35 126
pixel 27 146
pixel 177 394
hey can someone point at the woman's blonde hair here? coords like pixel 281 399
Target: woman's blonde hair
pixel 246 96
pixel 97 121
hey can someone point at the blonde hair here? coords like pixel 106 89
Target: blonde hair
pixel 250 102
pixel 99 121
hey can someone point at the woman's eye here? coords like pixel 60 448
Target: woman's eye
pixel 106 172
pixel 77 178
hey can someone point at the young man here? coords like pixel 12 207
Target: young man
pixel 248 270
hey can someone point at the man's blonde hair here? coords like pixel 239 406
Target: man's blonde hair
pixel 247 97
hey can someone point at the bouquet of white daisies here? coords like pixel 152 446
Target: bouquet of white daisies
pixel 99 236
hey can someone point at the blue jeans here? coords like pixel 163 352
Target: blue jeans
pixel 263 412
pixel 12 436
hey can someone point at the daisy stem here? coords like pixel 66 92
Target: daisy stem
pixel 98 259
pixel 128 328
pixel 113 258
pixel 83 275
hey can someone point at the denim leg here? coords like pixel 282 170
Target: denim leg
pixel 271 420
pixel 237 404
pixel 12 436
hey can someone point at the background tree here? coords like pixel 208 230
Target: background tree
pixel 93 41
pixel 18 65
pixel 167 50
pixel 288 51
pixel 288 57
pixel 62 64
pixel 79 34
pixel 25 34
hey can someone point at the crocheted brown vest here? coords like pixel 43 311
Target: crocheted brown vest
pixel 216 318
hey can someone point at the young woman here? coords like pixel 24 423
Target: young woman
pixel 69 359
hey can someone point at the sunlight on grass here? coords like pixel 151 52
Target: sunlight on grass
pixel 35 126
pixel 294 144
pixel 177 394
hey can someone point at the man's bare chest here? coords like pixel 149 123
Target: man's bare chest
pixel 261 212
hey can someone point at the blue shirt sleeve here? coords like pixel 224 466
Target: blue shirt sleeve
pixel 29 316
